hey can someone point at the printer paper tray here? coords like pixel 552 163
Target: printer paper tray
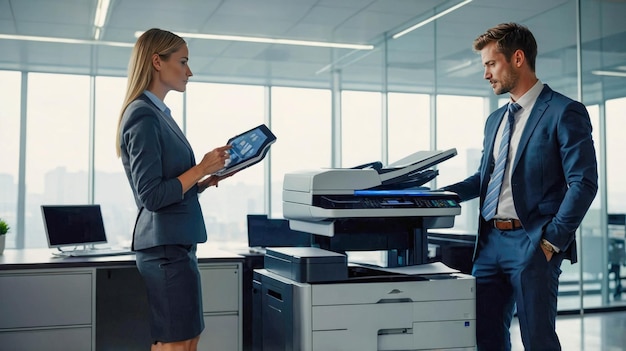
pixel 456 286
pixel 395 326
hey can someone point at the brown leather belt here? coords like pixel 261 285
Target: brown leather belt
pixel 506 224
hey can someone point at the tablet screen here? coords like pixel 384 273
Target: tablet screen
pixel 248 148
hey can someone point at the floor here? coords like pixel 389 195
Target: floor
pixel 605 331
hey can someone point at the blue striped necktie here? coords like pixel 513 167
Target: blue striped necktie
pixel 495 183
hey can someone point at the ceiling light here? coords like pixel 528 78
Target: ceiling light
pixel 430 19
pixel 342 61
pixel 101 13
pixel 460 66
pixel 100 18
pixel 64 40
pixel 609 73
pixel 273 41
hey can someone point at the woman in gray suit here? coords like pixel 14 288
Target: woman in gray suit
pixel 165 180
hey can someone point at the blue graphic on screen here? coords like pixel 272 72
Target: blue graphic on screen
pixel 245 147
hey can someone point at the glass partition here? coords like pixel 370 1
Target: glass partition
pixel 603 82
pixel 616 200
pixel 301 120
pixel 408 124
pixel 10 120
pixel 460 125
pixel 111 188
pixel 214 114
pixel 361 126
pixel 57 147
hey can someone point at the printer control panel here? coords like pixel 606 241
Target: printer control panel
pixel 417 202
pixel 389 199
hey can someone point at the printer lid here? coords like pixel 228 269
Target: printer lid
pixel 413 167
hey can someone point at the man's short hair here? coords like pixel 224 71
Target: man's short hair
pixel 510 37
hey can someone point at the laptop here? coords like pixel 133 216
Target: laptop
pixel 75 230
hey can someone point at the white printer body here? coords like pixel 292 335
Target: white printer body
pixel 314 199
pixel 373 313
pixel 311 299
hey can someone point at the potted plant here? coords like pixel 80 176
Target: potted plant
pixel 4 229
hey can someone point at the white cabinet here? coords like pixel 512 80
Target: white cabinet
pixel 47 309
pixel 222 306
pixel 97 304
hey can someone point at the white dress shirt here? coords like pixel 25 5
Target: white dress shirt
pixel 506 209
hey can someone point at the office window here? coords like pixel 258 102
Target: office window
pixel 57 147
pixel 361 128
pixel 301 120
pixel 10 95
pixel 174 101
pixel 409 124
pixel 460 124
pixel 111 188
pixel 216 112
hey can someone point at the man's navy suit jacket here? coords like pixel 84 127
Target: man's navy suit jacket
pixel 554 175
pixel 154 153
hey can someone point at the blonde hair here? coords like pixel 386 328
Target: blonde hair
pixel 140 69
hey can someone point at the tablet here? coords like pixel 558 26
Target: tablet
pixel 249 148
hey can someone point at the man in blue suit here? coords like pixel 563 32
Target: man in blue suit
pixel 532 198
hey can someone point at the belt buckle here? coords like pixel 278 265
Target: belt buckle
pixel 510 221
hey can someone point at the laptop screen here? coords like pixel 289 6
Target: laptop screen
pixel 68 225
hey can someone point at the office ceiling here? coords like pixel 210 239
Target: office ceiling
pixel 412 59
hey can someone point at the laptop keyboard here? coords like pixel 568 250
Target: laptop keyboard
pixel 99 252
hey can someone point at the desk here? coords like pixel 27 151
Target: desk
pixel 99 303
